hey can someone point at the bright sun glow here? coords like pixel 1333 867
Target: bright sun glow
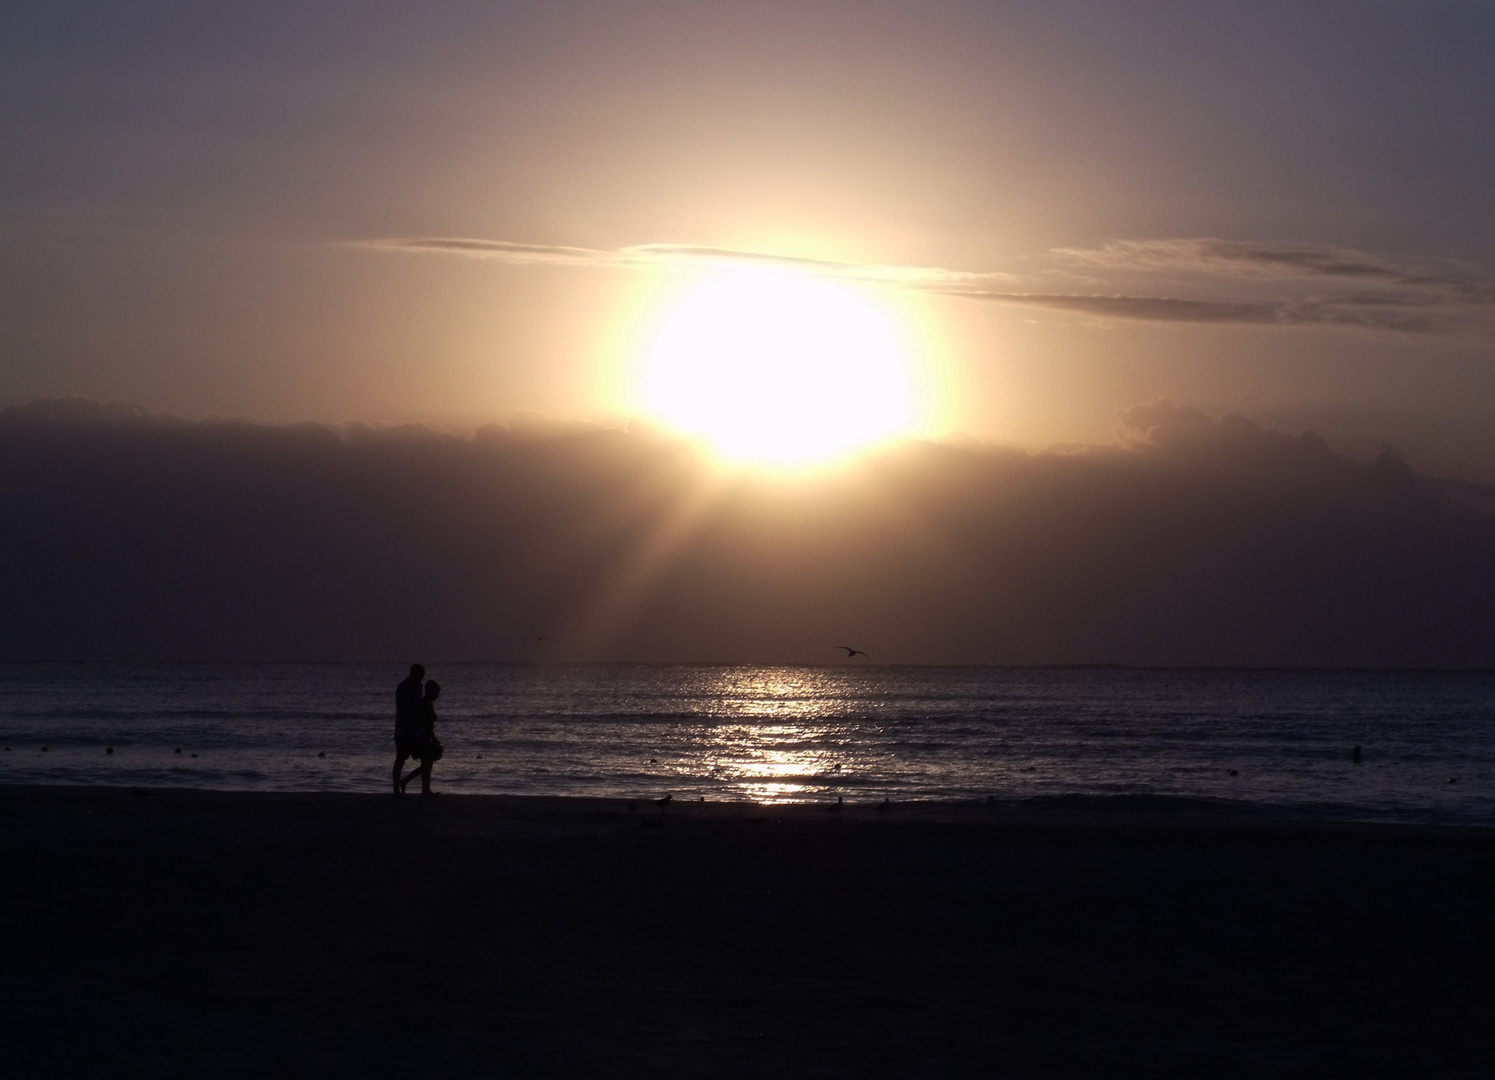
pixel 776 366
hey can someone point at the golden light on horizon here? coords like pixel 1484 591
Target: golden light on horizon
pixel 780 367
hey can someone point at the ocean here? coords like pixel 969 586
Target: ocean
pixel 858 731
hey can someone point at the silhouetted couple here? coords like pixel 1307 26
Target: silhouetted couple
pixel 415 729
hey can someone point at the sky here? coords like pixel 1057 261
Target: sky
pixel 1265 223
pixel 1280 209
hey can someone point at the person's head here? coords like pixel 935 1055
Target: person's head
pixel 433 690
pixel 417 671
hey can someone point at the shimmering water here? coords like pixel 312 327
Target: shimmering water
pixel 778 733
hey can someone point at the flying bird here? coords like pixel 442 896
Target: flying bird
pixel 850 652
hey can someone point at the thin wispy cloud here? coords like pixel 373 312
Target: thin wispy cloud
pixel 1363 313
pixel 1377 293
pixel 1234 258
pixel 639 255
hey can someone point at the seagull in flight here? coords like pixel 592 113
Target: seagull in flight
pixel 850 652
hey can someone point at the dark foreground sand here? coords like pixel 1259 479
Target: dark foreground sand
pixel 212 934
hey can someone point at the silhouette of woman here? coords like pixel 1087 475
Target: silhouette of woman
pixel 410 722
pixel 428 747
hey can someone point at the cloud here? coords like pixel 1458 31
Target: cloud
pixel 1442 298
pixel 683 255
pixel 1240 259
pixel 1364 313
pixel 1191 539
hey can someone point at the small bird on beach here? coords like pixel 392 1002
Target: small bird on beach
pixel 850 652
pixel 884 806
pixel 664 801
pixel 835 805
pixel 140 793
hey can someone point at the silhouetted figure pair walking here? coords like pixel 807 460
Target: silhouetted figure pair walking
pixel 415 729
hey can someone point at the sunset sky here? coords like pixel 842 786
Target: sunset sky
pixel 1151 333
pixel 1060 210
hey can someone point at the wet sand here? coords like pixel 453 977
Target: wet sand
pixel 210 934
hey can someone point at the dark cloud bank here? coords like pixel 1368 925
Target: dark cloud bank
pixel 1193 541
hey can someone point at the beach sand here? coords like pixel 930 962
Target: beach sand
pixel 195 933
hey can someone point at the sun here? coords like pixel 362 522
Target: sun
pixel 778 366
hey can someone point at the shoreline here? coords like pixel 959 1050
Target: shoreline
pixel 1125 811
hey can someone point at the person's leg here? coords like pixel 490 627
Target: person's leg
pixel 425 776
pixel 400 757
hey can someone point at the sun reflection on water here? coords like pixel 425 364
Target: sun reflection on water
pixel 779 761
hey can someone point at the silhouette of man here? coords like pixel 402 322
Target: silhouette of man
pixel 430 748
pixel 410 720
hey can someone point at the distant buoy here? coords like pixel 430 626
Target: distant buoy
pixel 108 749
pixel 178 750
pixel 1355 755
pixel 1453 779
pixel 321 753
pixel 194 755
pixel 1233 772
pixel 44 749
